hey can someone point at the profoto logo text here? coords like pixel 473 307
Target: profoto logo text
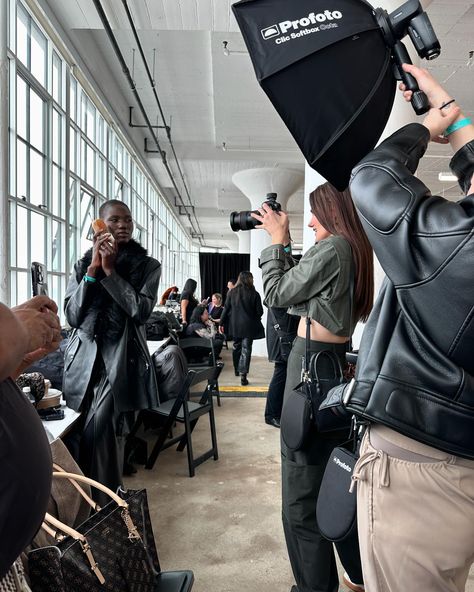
pixel 303 26
pixel 341 464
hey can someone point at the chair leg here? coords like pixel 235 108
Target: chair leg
pixel 150 463
pixel 212 424
pixel 183 441
pixel 188 430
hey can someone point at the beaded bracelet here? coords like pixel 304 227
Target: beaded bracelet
pixel 457 125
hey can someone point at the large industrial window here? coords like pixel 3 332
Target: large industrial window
pixel 63 163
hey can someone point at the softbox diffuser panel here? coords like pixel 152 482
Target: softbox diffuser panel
pixel 331 82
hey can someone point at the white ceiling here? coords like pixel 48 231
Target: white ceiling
pixel 209 98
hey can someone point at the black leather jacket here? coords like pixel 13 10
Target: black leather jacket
pixel 109 319
pixel 415 372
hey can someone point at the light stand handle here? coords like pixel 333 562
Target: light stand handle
pixel 419 100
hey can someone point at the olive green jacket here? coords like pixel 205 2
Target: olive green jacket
pixel 318 286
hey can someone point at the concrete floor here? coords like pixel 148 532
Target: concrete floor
pixel 225 523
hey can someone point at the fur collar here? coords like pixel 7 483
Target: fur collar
pixel 103 316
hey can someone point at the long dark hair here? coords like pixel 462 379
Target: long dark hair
pixel 197 313
pixel 244 285
pixel 336 212
pixel 245 280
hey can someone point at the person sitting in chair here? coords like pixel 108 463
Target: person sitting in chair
pixel 201 326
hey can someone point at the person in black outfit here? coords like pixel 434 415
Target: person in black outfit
pixel 215 308
pixel 108 372
pixel 281 331
pixel 188 300
pixel 242 312
pixel 29 332
pixel 201 326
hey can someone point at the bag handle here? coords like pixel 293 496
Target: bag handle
pixel 332 357
pixel 133 533
pixel 83 479
pixel 80 490
pixel 77 536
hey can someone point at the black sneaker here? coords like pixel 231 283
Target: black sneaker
pixel 243 380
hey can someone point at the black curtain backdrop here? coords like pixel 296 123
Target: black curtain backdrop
pixel 218 268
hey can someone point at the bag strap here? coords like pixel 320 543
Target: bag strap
pixel 80 490
pixel 77 536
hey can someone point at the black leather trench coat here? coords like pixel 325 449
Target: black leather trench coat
pixel 125 354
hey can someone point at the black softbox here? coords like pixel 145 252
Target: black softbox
pixel 327 70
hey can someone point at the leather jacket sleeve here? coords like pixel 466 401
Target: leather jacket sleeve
pixel 398 212
pixel 77 299
pixel 138 305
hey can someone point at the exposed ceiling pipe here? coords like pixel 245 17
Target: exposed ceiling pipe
pixel 126 71
pixel 153 87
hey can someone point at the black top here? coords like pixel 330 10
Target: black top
pixel 216 312
pixel 25 478
pixel 192 303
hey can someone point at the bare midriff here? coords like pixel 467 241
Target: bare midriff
pixel 319 333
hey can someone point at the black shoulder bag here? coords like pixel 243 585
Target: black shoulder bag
pixel 298 410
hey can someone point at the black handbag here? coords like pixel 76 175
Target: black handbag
pixel 113 550
pixel 301 408
pixel 336 508
pixel 329 415
pixel 297 414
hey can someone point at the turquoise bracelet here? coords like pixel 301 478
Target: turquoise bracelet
pixel 89 279
pixel 457 125
pixel 287 248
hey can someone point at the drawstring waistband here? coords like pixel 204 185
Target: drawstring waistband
pixel 362 465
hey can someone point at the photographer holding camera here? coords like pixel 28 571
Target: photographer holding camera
pixel 319 287
pixel 415 370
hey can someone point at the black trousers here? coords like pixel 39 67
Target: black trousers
pixel 311 555
pixel 276 390
pixel 97 440
pixel 241 354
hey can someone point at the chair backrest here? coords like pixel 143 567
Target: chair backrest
pixel 194 345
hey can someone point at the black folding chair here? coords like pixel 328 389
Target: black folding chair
pixel 181 410
pixel 204 348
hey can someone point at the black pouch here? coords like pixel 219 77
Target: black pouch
pixel 296 417
pixel 336 508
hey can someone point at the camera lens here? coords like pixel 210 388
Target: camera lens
pixel 242 221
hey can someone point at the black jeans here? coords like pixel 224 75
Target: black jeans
pixel 241 353
pixel 276 390
pixel 311 555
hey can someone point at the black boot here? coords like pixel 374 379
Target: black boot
pixel 243 380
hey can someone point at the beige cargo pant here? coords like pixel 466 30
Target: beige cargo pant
pixel 415 519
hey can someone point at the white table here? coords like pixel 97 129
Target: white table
pixel 154 346
pixel 59 427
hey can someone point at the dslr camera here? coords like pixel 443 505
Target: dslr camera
pixel 244 220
